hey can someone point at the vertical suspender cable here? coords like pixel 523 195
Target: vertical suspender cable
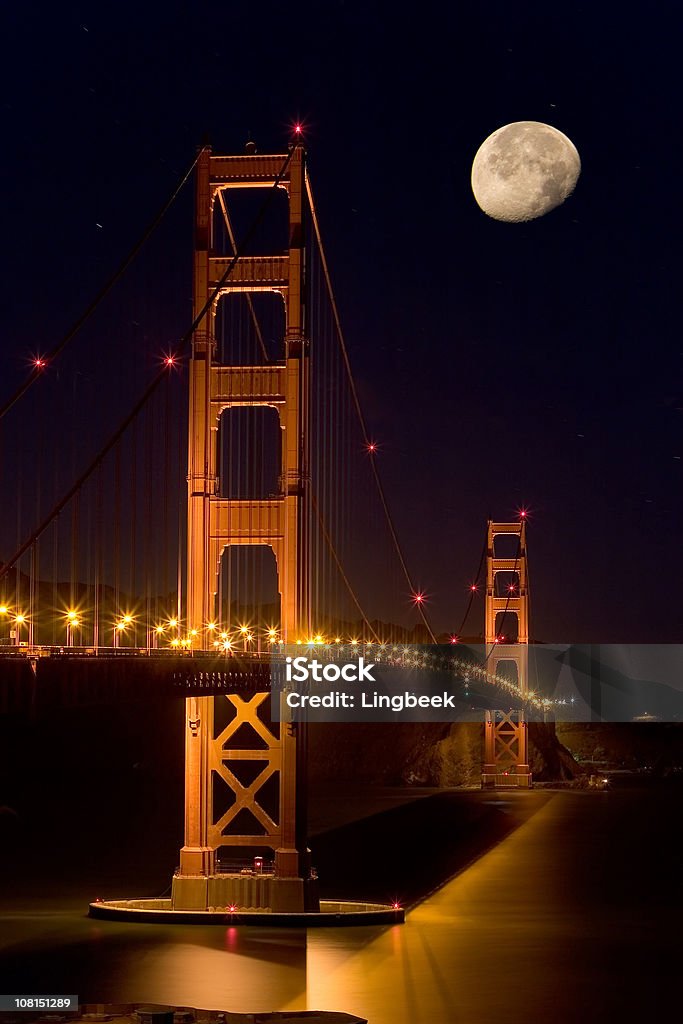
pixel 117 526
pixel 99 558
pixel 133 599
pixel 359 411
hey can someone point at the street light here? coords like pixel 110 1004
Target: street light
pixel 72 623
pixel 19 621
pixel 120 628
pixel 4 611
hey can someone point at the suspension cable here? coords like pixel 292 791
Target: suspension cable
pixel 43 362
pixel 359 411
pixel 66 498
pixel 328 541
pixel 154 383
pixel 474 586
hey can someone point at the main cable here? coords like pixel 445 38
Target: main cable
pixel 43 362
pixel 335 556
pixel 359 411
pixel 152 386
pixel 473 588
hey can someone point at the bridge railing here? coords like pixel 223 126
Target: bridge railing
pixel 25 650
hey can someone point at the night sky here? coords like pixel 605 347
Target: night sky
pixel 499 365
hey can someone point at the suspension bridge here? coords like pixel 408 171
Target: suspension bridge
pixel 184 552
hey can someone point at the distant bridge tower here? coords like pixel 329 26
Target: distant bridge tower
pixel 507 604
pixel 509 601
pixel 214 522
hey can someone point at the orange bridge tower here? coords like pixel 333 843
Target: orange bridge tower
pixel 234 754
pixel 506 635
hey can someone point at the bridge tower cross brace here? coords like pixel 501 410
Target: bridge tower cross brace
pixel 506 760
pixel 215 522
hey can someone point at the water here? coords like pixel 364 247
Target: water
pixel 574 916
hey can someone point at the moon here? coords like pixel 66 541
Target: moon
pixel 524 170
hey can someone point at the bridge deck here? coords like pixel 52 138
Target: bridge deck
pixel 45 678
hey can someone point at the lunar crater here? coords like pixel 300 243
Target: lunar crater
pixel 524 170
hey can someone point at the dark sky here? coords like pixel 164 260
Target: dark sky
pixel 499 365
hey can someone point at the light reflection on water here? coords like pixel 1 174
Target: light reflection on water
pixel 233 968
pixel 535 928
pixel 188 974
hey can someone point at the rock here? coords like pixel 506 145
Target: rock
pixel 423 754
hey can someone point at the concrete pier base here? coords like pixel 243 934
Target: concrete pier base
pixel 332 913
pixel 494 779
pixel 246 892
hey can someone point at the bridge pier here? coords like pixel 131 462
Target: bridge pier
pixel 197 858
pixel 262 807
pixel 265 893
pixel 506 760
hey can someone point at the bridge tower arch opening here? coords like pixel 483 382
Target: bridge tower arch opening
pixel 216 522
